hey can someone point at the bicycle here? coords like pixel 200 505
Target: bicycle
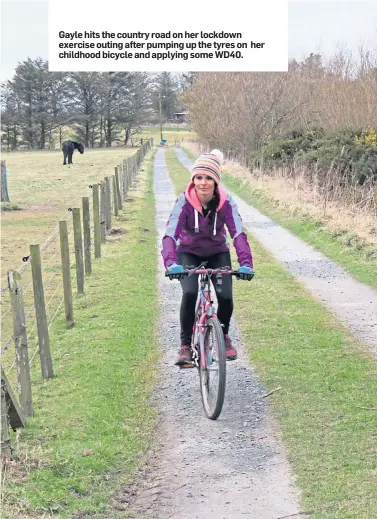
pixel 209 357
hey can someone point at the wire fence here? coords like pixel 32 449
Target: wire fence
pixel 32 295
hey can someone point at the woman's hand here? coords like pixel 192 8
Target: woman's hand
pixel 246 273
pixel 175 271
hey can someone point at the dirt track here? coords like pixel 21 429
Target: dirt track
pixel 231 468
pixel 234 467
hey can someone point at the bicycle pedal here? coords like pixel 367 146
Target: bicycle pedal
pixel 187 365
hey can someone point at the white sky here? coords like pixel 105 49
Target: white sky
pixel 314 26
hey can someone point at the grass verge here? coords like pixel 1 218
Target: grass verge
pixel 93 420
pixel 326 407
pixel 357 259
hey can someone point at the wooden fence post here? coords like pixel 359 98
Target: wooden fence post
pixel 115 196
pixel 103 211
pixel 125 185
pixel 130 171
pixel 87 240
pixel 4 182
pixel 108 204
pixel 66 271
pixel 16 418
pixel 120 182
pixel 5 448
pixel 119 199
pixel 40 312
pixel 96 219
pixel 20 339
pixel 78 249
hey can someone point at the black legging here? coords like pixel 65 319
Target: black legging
pixel 190 292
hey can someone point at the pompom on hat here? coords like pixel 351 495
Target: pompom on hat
pixel 208 164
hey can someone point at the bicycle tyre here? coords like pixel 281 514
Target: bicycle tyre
pixel 213 410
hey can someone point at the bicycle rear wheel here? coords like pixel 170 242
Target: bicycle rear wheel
pixel 213 377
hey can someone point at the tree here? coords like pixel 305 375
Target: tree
pixel 116 92
pixel 34 102
pixel 186 81
pixel 85 91
pixel 167 88
pixel 31 86
pixel 10 109
pixel 138 103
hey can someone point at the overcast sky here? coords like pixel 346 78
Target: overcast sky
pixel 314 26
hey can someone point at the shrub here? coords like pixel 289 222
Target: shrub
pixel 351 153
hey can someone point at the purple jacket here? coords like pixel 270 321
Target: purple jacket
pixel 187 230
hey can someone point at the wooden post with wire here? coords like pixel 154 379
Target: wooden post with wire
pixel 77 235
pixel 40 312
pixel 115 196
pixel 119 199
pixel 86 229
pixel 21 344
pixel 66 272
pixel 96 219
pixel 103 211
pixel 108 204
pixel 125 178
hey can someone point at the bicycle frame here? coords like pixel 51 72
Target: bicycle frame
pixel 209 356
pixel 207 310
pixel 205 305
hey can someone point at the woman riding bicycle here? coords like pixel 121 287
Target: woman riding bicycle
pixel 195 232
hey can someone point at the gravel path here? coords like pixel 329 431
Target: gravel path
pixel 353 303
pixel 231 468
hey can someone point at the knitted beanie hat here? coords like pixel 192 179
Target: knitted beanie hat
pixel 208 164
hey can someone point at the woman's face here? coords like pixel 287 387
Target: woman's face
pixel 204 185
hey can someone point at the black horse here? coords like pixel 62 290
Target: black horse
pixel 68 148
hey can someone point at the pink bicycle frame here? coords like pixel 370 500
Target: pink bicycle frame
pixel 206 306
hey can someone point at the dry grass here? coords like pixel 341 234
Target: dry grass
pixel 297 196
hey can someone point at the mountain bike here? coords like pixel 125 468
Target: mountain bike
pixel 207 343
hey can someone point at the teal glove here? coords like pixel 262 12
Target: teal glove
pixel 175 271
pixel 246 273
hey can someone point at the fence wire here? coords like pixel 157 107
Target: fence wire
pixel 52 281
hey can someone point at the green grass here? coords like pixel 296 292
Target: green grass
pixel 44 189
pixel 178 174
pixel 93 420
pixel 357 259
pixel 325 380
pixel 173 134
pixel 325 377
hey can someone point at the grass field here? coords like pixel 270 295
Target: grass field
pixel 45 189
pixel 174 135
pixel 93 421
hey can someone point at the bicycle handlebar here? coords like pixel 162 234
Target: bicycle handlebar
pixel 211 272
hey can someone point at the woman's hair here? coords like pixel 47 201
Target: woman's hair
pixel 214 202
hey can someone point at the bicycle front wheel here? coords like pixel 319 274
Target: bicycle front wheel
pixel 213 377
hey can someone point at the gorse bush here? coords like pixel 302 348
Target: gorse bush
pixel 351 153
